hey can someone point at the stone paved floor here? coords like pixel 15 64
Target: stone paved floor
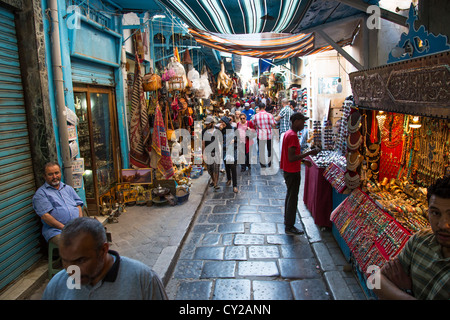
pixel 233 246
pixel 238 250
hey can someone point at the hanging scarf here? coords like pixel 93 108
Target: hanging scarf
pixel 160 154
pixel 139 124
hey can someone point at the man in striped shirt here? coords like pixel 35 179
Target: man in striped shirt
pixel 285 114
pixel 264 122
pixel 422 269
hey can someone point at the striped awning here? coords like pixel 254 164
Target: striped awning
pixel 240 16
pixel 262 45
pixel 264 28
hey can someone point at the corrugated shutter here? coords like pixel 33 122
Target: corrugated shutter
pixel 19 225
pixel 92 73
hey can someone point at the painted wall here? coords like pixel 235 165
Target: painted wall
pixel 87 40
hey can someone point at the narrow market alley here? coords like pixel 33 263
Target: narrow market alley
pixel 227 246
pixel 147 118
pixel 238 250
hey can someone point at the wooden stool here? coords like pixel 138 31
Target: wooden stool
pixel 51 269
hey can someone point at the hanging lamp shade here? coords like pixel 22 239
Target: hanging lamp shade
pixel 187 57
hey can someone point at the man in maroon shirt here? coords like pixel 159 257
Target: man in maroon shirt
pixel 290 163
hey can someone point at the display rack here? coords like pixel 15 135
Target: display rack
pixel 371 234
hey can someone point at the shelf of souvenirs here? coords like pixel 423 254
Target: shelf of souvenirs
pixel 372 235
pixel 404 201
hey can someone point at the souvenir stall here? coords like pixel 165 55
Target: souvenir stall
pixel 397 144
pixel 324 181
pixel 160 103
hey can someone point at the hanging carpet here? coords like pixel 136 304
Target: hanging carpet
pixel 160 154
pixel 139 124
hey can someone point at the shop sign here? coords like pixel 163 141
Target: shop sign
pixel 418 86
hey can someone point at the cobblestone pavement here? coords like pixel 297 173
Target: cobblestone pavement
pixel 237 249
pixel 222 245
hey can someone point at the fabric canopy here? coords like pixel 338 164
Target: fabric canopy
pixel 262 45
pixel 264 28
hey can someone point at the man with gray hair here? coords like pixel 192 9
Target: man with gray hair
pixel 56 203
pixel 97 273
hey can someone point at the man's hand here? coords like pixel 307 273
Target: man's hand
pixel 393 270
pixel 393 282
pixel 307 163
pixel 314 151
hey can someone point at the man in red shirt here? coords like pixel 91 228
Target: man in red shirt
pixel 290 163
pixel 264 122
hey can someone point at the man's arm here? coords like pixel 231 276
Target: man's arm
pixel 292 157
pixel 389 291
pixel 393 281
pixel 52 222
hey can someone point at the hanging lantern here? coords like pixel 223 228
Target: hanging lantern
pixel 187 57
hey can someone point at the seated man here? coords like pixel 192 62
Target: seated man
pixel 101 274
pixel 421 269
pixel 56 203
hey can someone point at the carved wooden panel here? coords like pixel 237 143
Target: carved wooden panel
pixel 418 86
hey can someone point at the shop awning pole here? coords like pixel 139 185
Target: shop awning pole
pixel 59 93
pixel 336 47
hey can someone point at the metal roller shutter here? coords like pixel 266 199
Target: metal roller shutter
pixel 92 73
pixel 19 225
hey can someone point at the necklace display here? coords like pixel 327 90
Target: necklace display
pixel 352 182
pixel 372 152
pixel 351 145
pixel 355 139
pixel 432 155
pixel 354 159
pixel 354 122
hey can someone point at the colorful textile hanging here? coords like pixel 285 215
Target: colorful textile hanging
pixel 139 124
pixel 263 45
pixel 160 154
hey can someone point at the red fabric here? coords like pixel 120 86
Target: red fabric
pixel 317 195
pixel 290 140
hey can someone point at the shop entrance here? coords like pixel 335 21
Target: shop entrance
pixel 98 143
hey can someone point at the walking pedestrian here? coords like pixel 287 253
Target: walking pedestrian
pixel 249 112
pixel 264 122
pixel 210 154
pixel 229 151
pixel 284 118
pixel 245 140
pixel 290 163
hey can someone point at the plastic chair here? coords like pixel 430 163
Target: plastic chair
pixel 51 269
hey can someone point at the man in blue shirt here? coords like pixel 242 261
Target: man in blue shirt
pixel 56 203
pixel 249 112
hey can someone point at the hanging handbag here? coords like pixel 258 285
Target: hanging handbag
pixel 151 81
